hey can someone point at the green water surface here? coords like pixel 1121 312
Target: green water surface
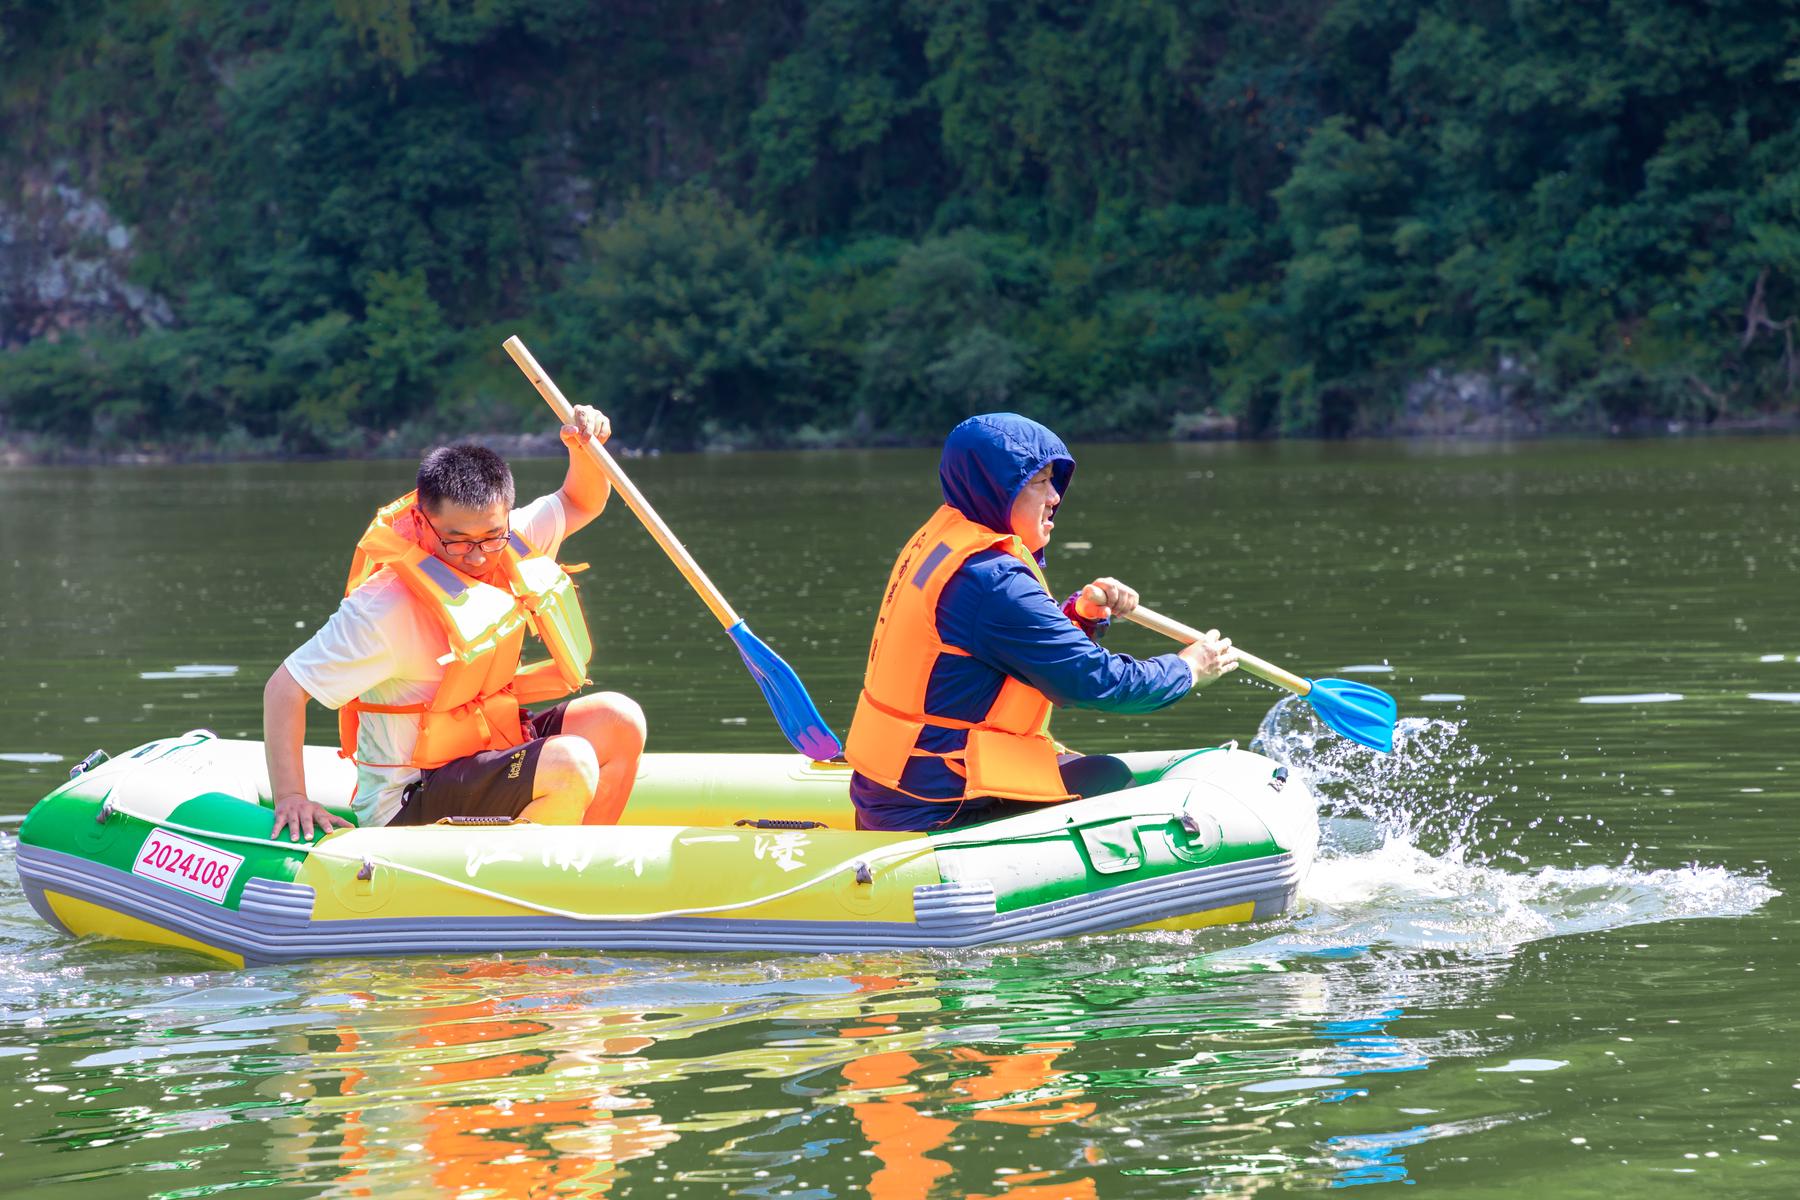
pixel 1550 944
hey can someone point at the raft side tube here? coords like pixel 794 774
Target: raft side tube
pixel 948 916
pixel 1189 818
pixel 1222 835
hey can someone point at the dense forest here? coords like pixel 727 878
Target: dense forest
pixel 819 222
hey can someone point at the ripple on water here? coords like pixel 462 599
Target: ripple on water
pixel 1634 698
pixel 181 1049
pixel 1302 1084
pixel 1521 1065
pixel 193 671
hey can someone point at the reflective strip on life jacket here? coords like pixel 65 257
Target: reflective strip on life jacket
pixel 440 573
pixel 1009 753
pixel 554 610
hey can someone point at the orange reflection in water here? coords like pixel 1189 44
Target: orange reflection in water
pixel 901 1136
pixel 1006 1088
pixel 514 1139
pixel 1019 1187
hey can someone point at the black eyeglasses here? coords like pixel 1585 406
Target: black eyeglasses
pixel 459 549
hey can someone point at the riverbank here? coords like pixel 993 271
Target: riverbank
pixel 32 450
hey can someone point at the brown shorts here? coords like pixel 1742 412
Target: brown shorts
pixel 494 783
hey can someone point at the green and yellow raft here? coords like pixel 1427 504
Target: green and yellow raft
pixel 169 844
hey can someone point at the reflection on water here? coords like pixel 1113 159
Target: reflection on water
pixel 1083 1071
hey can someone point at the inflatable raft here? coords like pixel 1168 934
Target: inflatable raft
pixel 169 844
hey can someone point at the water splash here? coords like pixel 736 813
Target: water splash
pixel 1424 792
pixel 1409 856
pixel 1399 896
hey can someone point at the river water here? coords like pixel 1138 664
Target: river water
pixel 1550 942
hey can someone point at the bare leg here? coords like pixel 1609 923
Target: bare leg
pixel 613 725
pixel 562 788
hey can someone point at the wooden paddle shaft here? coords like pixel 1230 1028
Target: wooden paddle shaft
pixel 684 562
pixel 1171 628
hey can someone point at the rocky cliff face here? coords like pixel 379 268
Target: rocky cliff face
pixel 63 265
pixel 1479 404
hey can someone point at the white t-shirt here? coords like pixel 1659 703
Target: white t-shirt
pixel 383 647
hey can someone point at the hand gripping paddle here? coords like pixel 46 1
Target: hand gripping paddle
pixel 1361 713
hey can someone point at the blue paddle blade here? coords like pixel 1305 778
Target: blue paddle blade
pixel 1361 713
pixel 793 708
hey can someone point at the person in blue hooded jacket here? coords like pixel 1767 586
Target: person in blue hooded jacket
pixel 971 651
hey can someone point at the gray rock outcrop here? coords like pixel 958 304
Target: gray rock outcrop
pixel 1481 404
pixel 64 260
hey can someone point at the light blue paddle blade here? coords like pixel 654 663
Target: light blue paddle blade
pixel 793 708
pixel 1361 713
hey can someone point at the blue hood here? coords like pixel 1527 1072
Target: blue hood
pixel 988 459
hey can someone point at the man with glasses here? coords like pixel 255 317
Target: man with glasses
pixel 421 660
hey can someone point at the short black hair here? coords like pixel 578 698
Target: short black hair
pixel 466 474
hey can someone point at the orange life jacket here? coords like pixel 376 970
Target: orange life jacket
pixel 476 706
pixel 1010 752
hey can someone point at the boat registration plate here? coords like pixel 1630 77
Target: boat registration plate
pixel 186 864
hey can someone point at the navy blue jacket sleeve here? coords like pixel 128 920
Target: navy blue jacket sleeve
pixel 1002 616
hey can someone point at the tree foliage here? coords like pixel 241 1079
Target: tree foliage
pixel 677 314
pixel 861 219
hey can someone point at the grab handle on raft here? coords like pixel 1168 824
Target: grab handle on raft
pixel 794 710
pixel 1364 714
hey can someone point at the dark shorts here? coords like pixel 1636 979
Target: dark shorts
pixel 494 783
pixel 881 808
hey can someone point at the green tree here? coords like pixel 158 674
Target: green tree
pixel 862 218
pixel 939 353
pixel 678 315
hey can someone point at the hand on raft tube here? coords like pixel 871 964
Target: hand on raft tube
pixel 589 422
pixel 296 812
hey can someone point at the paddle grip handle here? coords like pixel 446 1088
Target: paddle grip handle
pixel 665 537
pixel 1188 635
